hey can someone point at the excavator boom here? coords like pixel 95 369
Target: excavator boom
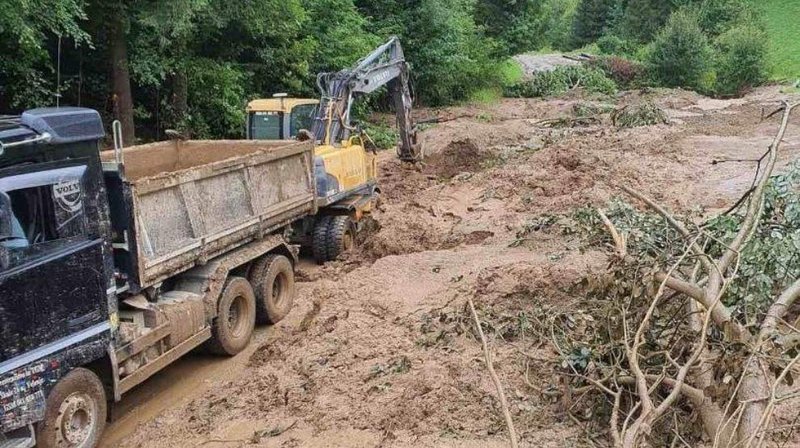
pixel 386 66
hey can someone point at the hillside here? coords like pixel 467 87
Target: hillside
pixel 782 17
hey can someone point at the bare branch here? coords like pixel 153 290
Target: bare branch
pixel 754 209
pixel 619 239
pixel 779 308
pixel 720 314
pixel 497 384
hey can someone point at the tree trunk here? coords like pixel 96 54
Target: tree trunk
pixel 121 78
pixel 180 98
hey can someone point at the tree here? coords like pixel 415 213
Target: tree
pixel 451 58
pixel 339 32
pixel 643 18
pixel 742 59
pixel 592 20
pixel 518 25
pixel 27 74
pixel 681 55
pixel 121 95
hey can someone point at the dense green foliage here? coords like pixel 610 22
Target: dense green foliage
pixel 592 20
pixel 681 55
pixel 742 59
pixel 642 19
pixel 24 61
pixel 193 64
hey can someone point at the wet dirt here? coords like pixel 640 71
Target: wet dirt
pixel 379 349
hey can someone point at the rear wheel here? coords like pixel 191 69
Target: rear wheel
pixel 76 411
pixel 341 236
pixel 272 278
pixel 319 239
pixel 236 318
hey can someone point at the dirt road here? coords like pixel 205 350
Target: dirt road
pixel 379 350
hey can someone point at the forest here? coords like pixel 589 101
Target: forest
pixel 193 64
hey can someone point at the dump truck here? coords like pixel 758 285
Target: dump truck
pixel 115 264
pixel 345 162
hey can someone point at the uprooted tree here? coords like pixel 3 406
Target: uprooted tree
pixel 696 320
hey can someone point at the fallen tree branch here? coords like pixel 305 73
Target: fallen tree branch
pixel 619 240
pixel 754 209
pixel 495 379
pixel 779 308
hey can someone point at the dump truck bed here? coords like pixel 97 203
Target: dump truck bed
pixel 175 205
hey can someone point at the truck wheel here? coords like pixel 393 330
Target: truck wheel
pixel 319 240
pixel 76 412
pixel 341 236
pixel 272 278
pixel 233 327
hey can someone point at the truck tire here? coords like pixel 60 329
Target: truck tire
pixel 341 236
pixel 76 412
pixel 319 239
pixel 236 318
pixel 272 278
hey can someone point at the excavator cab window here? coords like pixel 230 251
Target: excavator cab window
pixel 266 126
pixel 302 117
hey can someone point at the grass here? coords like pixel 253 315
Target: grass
pixel 510 73
pixel 782 24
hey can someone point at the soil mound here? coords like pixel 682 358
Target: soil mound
pixel 458 157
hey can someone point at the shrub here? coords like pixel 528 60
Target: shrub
pixel 742 60
pixel 382 135
pixel 681 55
pixel 718 16
pixel 645 114
pixel 624 72
pixel 561 80
pixel 611 44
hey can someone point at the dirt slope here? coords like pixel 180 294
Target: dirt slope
pixel 379 350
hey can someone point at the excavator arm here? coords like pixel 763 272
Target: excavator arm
pixel 386 66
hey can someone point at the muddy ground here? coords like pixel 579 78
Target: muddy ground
pixel 379 350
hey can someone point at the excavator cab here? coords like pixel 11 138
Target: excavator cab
pixel 279 117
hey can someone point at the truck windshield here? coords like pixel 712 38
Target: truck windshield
pixel 266 126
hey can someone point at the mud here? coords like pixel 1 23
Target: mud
pixel 380 351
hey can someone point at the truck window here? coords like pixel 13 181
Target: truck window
pixel 266 126
pixel 48 213
pixel 302 117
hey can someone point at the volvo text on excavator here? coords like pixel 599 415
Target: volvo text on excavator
pixel 345 168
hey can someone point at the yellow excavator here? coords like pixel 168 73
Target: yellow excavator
pixel 344 164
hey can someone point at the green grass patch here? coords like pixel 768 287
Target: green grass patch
pixel 510 73
pixel 782 25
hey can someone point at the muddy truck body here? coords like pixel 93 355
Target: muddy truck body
pixel 115 264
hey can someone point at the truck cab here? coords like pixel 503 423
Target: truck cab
pixel 115 264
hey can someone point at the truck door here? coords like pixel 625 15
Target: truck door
pixel 52 280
